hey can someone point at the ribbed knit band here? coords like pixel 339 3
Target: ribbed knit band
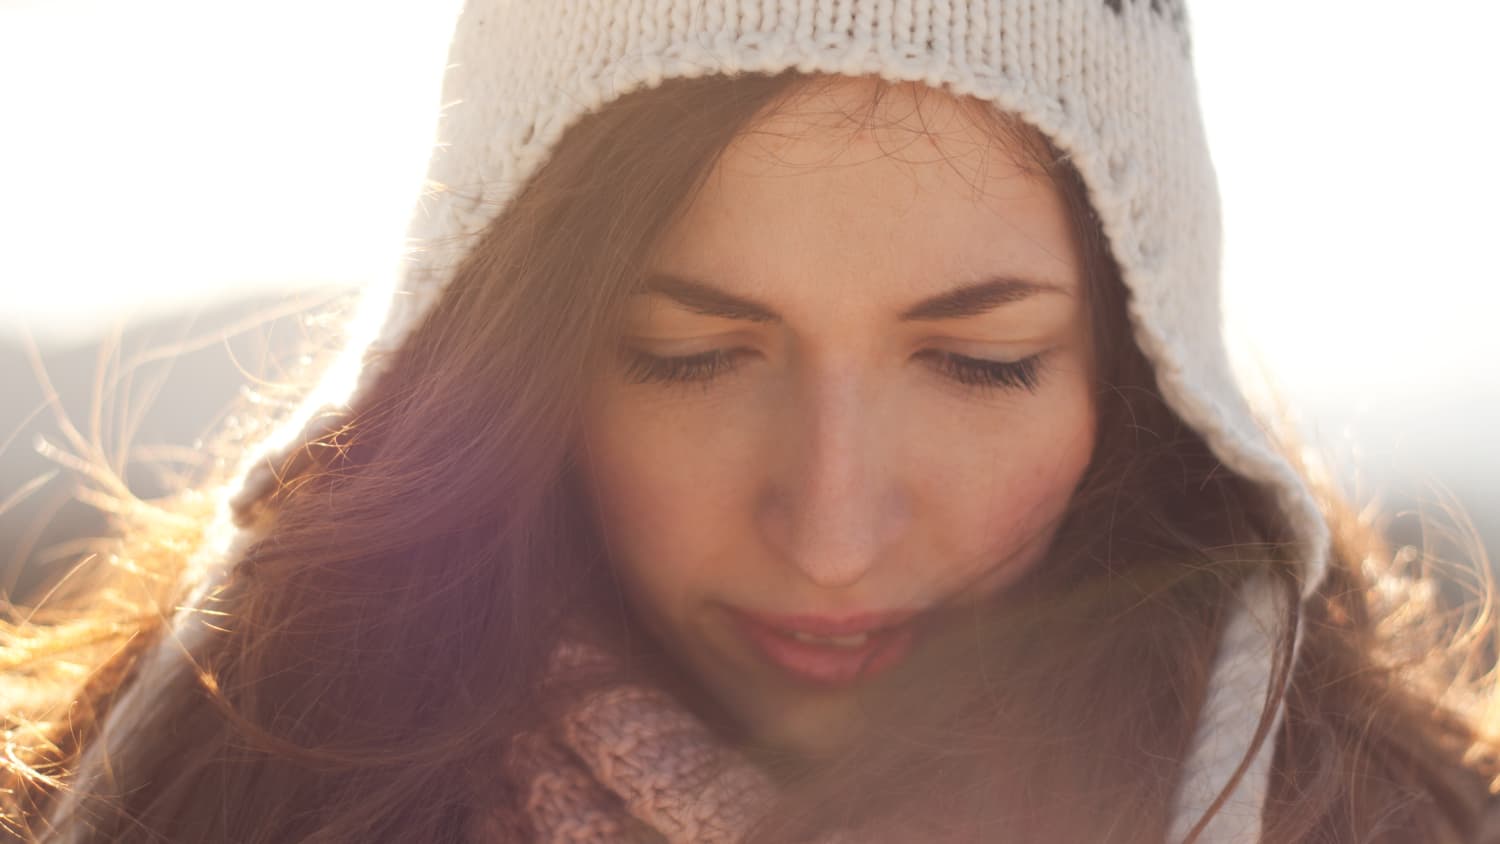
pixel 1109 81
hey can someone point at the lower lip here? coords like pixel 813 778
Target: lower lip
pixel 829 666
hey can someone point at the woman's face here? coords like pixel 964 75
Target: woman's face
pixel 816 411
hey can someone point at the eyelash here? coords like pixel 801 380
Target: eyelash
pixel 1024 374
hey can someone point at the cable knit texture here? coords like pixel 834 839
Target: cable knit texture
pixel 629 764
pixel 1109 81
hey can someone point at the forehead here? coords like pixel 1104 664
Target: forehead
pixel 851 182
pixel 889 114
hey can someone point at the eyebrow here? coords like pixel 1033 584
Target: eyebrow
pixel 965 301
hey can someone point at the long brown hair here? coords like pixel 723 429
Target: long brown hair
pixel 381 642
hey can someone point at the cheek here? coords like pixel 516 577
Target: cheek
pixel 663 499
pixel 998 499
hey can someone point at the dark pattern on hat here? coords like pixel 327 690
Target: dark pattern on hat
pixel 1173 11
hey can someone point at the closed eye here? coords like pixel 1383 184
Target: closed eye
pixel 1023 374
pixel 643 368
pixel 706 367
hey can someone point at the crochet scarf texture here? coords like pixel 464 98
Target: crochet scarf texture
pixel 630 764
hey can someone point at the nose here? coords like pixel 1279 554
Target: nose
pixel 833 504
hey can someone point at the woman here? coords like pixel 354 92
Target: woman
pixel 799 422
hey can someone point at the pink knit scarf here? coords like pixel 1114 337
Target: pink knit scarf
pixel 630 764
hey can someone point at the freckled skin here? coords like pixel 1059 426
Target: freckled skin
pixel 836 468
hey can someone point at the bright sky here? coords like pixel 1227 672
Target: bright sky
pixel 161 153
pixel 165 153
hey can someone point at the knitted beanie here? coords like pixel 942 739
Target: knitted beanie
pixel 1110 82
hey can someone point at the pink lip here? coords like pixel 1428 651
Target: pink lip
pixel 823 625
pixel 829 666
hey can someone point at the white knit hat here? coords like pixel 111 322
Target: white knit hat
pixel 1109 81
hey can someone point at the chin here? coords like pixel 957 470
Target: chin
pixel 808 728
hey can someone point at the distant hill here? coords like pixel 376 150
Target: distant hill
pixel 189 371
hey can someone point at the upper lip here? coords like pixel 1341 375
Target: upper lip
pixel 828 625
